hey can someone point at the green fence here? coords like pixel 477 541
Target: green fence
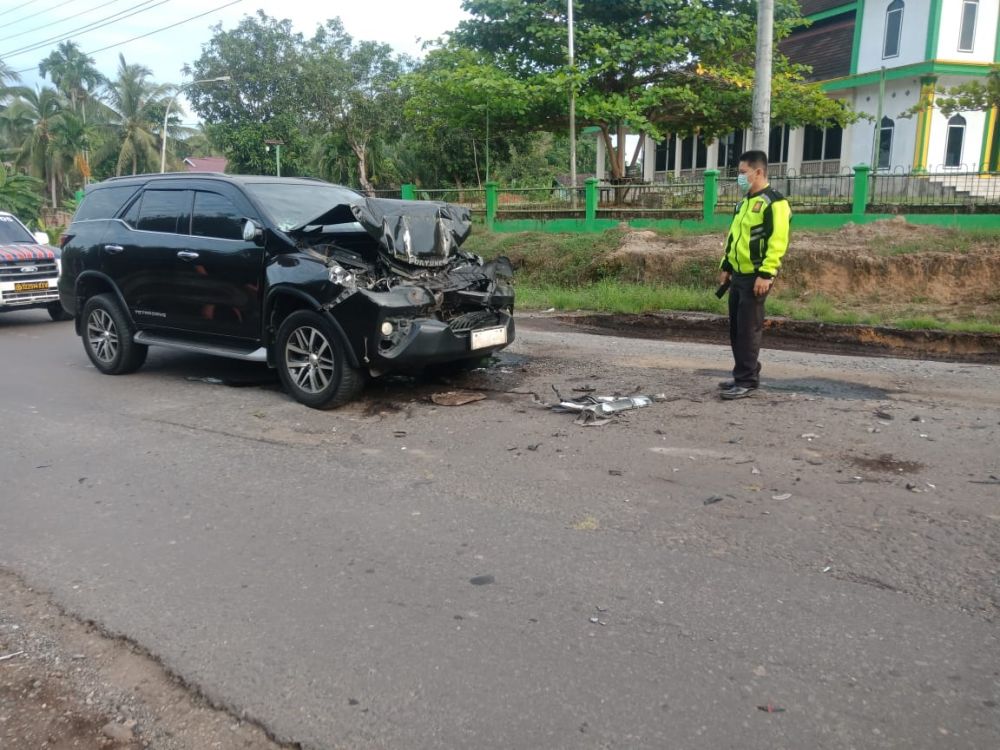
pixel 821 200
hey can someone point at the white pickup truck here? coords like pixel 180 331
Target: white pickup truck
pixel 29 269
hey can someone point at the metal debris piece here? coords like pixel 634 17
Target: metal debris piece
pixel 782 496
pixel 457 398
pixel 482 580
pixel 598 410
pixel 594 620
pixel 7 657
pixel 879 414
pixel 992 480
pixel 712 500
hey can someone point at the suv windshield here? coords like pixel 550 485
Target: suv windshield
pixel 290 205
pixel 12 232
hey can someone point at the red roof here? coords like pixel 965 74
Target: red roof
pixel 206 163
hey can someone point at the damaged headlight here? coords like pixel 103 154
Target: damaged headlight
pixel 339 275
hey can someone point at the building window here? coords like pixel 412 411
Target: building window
pixel 967 36
pixel 886 129
pixel 777 150
pixel 694 153
pixel 821 144
pixel 956 139
pixel 893 29
pixel 730 148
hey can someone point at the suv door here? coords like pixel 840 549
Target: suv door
pixel 224 295
pixel 139 252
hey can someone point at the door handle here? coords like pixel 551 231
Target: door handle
pixel 187 255
pixel 113 249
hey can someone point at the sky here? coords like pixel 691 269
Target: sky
pixel 404 24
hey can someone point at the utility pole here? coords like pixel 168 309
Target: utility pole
pixel 762 76
pixel 277 152
pixel 572 108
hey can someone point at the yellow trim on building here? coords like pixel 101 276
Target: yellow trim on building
pixel 923 140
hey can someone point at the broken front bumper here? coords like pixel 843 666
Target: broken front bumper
pixel 427 341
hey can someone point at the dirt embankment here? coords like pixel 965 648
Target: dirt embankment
pixel 885 262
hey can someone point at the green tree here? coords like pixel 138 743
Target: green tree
pixel 73 73
pixel 41 109
pixel 652 66
pixel 263 101
pixel 354 89
pixel 20 194
pixel 134 105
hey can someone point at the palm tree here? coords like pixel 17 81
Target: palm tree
pixel 132 102
pixel 71 138
pixel 73 73
pixel 43 109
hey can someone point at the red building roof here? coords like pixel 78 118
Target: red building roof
pixel 206 163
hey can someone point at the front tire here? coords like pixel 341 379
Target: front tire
pixel 57 313
pixel 312 363
pixel 107 337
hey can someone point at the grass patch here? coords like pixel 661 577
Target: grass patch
pixel 620 297
pixel 612 296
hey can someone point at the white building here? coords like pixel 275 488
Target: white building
pixel 880 56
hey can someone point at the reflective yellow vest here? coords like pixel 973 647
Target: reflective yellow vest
pixel 758 236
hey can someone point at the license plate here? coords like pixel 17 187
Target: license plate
pixel 30 286
pixel 489 337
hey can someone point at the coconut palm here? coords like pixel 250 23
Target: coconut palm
pixel 133 102
pixel 42 108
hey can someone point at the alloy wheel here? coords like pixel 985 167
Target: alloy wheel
pixel 102 335
pixel 309 359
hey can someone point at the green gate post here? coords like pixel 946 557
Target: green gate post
pixel 590 193
pixel 492 200
pixel 407 192
pixel 860 202
pixel 711 198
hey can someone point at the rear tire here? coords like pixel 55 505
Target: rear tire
pixel 57 313
pixel 107 337
pixel 312 362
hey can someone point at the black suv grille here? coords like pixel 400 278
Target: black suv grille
pixel 473 320
pixel 14 271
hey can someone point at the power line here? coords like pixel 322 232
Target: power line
pixel 150 33
pixel 59 21
pixel 164 28
pixel 22 5
pixel 93 26
pixel 38 12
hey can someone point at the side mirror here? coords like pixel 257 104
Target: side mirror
pixel 252 232
pixel 41 238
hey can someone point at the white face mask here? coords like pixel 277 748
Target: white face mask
pixel 743 182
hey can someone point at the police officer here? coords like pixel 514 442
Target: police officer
pixel 757 240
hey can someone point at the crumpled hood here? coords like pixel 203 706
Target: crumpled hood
pixel 25 252
pixel 418 233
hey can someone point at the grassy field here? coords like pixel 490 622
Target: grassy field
pixel 564 272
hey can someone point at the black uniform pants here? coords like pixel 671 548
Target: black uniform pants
pixel 746 326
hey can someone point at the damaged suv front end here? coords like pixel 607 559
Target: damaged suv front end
pixel 394 277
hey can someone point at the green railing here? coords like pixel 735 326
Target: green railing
pixel 856 192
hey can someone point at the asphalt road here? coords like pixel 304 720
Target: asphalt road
pixel 401 575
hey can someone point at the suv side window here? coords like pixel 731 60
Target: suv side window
pixel 164 211
pixel 103 203
pixel 216 216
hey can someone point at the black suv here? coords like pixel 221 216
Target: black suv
pixel 320 282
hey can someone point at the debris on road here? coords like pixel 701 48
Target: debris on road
pixel 992 480
pixel 598 410
pixel 712 500
pixel 457 398
pixel 879 414
pixel 782 496
pixel 482 580
pixel 771 709
pixel 7 657
pixel 810 436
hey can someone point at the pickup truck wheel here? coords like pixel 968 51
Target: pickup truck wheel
pixel 56 311
pixel 107 337
pixel 312 364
